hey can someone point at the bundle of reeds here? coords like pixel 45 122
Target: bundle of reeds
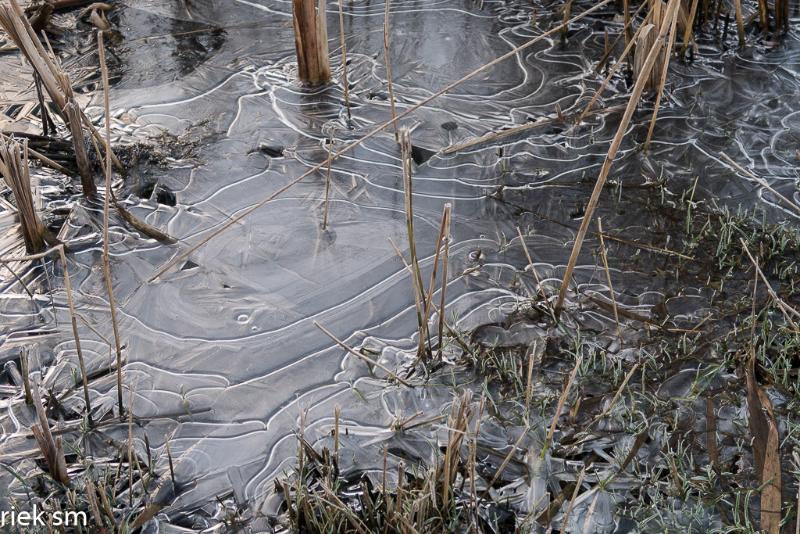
pixel 55 81
pixel 14 168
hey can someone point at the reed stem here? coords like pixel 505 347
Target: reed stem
pixel 106 201
pixel 387 58
pixel 343 44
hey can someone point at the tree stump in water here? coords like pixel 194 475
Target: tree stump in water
pixel 311 42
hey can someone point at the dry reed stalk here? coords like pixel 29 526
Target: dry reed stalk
pixel 363 357
pixel 51 448
pixel 567 14
pixel 337 414
pixel 445 261
pixel 419 288
pixel 24 364
pixel 472 460
pixel 626 30
pixel 106 261
pixel 234 220
pixel 444 225
pixel 327 186
pixel 636 93
pixel 343 44
pixel 560 406
pixel 763 183
pixel 739 21
pixel 539 288
pixel 787 310
pixel 311 42
pixel 624 33
pixel 72 112
pixel 44 160
pixel 91 496
pixel 515 130
pixel 457 430
pixel 387 58
pixel 78 350
pixel 570 506
pixel 508 457
pixel 171 467
pixel 15 170
pixel 687 31
pixel 616 396
pixel 529 381
pixel 608 273
pixel 663 80
pixel 763 14
pixel 610 74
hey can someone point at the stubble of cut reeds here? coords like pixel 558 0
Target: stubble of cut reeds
pixel 311 42
pixel 51 447
pixel 16 173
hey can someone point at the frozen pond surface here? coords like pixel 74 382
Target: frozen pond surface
pixel 222 352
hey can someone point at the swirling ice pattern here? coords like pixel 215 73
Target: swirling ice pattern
pixel 222 352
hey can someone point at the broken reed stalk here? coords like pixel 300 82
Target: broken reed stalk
pixel 106 262
pixel 739 21
pixel 235 219
pixel 419 288
pixel 787 310
pixel 608 273
pixel 763 183
pixel 445 261
pixel 387 58
pixel 687 31
pixel 663 79
pixel 44 160
pixel 567 14
pixel 539 287
pixel 343 44
pixel 443 227
pixel 15 171
pixel 638 88
pixel 25 368
pixel 560 406
pixel 611 72
pixel 311 42
pixel 73 319
pixel 51 448
pixel 360 356
pixel 457 430
pixel 73 114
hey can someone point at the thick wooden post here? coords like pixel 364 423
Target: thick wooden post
pixel 311 41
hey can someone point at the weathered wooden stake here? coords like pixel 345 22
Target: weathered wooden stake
pixel 311 42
